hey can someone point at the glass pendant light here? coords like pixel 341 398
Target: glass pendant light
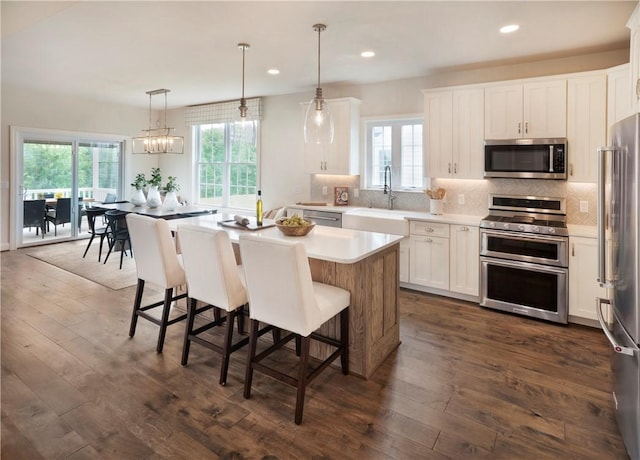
pixel 318 122
pixel 244 126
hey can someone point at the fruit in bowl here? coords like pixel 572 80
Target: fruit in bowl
pixel 294 225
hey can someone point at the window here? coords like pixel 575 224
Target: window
pixel 226 166
pixel 398 144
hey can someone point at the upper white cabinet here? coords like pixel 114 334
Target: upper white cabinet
pixel 586 124
pixel 533 109
pixel 454 133
pixel 618 94
pixel 634 59
pixel 341 156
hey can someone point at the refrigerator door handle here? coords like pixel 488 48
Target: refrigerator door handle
pixel 614 343
pixel 601 217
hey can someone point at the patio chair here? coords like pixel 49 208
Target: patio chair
pixel 33 216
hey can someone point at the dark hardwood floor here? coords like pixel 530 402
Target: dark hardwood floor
pixel 465 383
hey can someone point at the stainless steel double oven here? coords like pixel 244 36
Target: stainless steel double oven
pixel 524 256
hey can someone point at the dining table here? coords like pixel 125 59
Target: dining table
pixel 158 212
pixel 364 263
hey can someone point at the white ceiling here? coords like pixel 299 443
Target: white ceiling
pixel 117 51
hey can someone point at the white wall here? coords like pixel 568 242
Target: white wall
pixel 282 178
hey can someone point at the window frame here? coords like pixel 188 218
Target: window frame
pixel 396 122
pixel 226 165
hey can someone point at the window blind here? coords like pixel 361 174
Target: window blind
pixel 220 112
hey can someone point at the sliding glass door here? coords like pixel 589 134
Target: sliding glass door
pixel 58 176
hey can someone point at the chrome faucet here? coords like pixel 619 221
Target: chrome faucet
pixel 387 188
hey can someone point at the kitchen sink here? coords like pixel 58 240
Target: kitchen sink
pixel 376 220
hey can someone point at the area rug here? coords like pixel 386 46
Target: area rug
pixel 68 256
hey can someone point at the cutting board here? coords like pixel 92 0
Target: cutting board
pixel 266 223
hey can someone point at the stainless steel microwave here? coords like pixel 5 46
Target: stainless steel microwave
pixel 526 158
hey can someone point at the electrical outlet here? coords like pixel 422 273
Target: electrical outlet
pixel 584 206
pixel 356 192
pixel 460 198
pixel 324 190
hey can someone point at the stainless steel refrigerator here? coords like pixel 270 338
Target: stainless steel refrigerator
pixel 619 270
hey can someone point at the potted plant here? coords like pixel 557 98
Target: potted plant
pixel 138 183
pixel 153 196
pixel 171 199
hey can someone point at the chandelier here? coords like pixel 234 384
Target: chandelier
pixel 158 140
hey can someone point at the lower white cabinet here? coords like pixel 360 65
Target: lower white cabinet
pixel 444 257
pixel 464 270
pixel 583 272
pixel 403 269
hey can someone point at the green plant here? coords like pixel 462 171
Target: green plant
pixel 156 177
pixel 139 182
pixel 171 186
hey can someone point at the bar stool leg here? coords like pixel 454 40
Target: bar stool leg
pixel 253 341
pixel 168 295
pixel 226 349
pixel 302 378
pixel 344 339
pixel 191 316
pixel 136 307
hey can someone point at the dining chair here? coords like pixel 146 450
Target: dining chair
pixel 34 215
pixel 59 215
pixel 117 233
pixel 157 262
pixel 281 293
pixel 213 278
pixel 101 232
pixel 110 198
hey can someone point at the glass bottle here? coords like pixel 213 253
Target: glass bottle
pixel 259 208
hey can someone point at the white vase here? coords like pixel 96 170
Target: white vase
pixel 170 201
pixel 153 197
pixel 138 199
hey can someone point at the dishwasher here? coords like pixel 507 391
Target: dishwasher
pixel 326 218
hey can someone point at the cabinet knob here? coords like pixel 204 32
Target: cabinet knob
pixel 455 168
pixel 526 128
pixel 519 126
pixel 464 229
pixel 449 168
pixel 428 240
pixel 429 229
pixel 571 169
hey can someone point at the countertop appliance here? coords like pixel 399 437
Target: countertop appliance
pixel 524 257
pixel 526 158
pixel 619 271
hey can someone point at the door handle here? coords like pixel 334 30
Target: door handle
pixel 612 340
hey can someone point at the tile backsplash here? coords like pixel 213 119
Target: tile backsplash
pixel 466 196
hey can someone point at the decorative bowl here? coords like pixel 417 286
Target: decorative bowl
pixel 295 230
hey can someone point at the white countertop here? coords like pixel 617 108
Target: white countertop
pixel 461 219
pixel 324 243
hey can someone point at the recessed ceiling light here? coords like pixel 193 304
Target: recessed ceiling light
pixel 509 29
pixel 367 54
pixel 273 71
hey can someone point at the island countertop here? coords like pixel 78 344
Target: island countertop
pixel 331 244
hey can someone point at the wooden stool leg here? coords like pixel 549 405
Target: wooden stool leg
pixel 226 349
pixel 302 379
pixel 168 294
pixel 344 339
pixel 191 316
pixel 253 342
pixel 136 307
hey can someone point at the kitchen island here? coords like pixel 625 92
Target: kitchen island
pixel 365 264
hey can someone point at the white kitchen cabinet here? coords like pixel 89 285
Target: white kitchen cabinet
pixel 586 125
pixel 405 254
pixel 583 272
pixel 634 59
pixel 438 133
pixel 342 155
pixel 429 262
pixel 618 95
pixel 530 110
pixel 465 259
pixel 294 211
pixel 454 133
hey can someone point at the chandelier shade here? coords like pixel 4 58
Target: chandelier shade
pixel 318 121
pixel 158 140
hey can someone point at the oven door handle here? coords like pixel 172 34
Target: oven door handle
pixel 522 237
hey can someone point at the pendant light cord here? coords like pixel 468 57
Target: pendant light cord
pixel 319 28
